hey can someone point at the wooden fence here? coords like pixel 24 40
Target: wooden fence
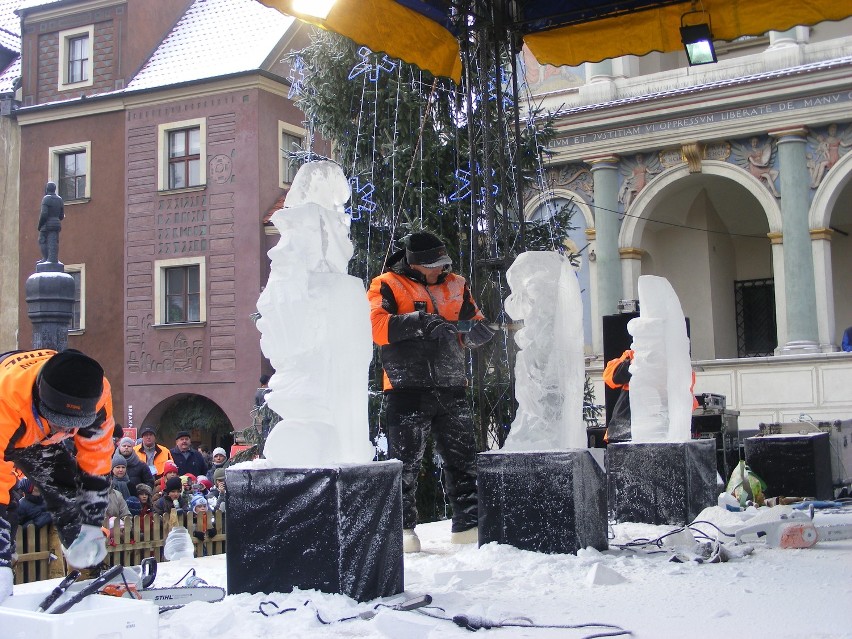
pixel 130 541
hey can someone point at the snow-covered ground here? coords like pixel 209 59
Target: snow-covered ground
pixel 772 593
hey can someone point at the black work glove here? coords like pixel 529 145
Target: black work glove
pixel 199 535
pixel 436 327
pixel 478 336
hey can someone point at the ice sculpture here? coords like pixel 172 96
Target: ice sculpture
pixel 661 372
pixel 315 329
pixel 549 371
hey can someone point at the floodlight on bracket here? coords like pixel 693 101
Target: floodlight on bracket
pixel 696 35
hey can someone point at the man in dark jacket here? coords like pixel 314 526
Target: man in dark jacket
pixel 187 460
pixel 416 307
pixel 137 471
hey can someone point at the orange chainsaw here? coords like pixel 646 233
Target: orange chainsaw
pixel 796 530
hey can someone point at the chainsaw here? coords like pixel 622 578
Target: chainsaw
pixel 796 530
pixel 134 583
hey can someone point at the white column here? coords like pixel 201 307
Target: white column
pixel 821 245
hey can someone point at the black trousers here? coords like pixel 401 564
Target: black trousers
pixel 411 416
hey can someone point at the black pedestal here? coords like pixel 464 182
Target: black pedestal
pixel 552 502
pixel 792 465
pixel 338 530
pixel 661 483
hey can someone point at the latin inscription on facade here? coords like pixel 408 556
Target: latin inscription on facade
pixel 716 117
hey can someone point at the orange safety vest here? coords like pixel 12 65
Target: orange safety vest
pixel 21 426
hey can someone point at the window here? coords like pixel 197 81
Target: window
pixel 78 272
pixel 182 155
pixel 70 167
pixel 755 307
pixel 180 291
pixel 292 138
pixel 75 57
pixel 184 158
pixel 182 294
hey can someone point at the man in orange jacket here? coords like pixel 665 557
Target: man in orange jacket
pixel 415 309
pixel 46 397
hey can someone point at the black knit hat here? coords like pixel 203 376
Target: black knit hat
pixel 69 388
pixel 173 483
pixel 426 249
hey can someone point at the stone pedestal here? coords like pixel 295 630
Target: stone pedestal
pixel 338 530
pixel 661 483
pixel 794 465
pixel 551 501
pixel 50 305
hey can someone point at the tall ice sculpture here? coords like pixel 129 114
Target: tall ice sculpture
pixel 662 476
pixel 316 513
pixel 544 491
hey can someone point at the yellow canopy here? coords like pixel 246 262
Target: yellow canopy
pixel 387 26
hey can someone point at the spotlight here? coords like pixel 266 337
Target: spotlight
pixel 316 8
pixel 697 40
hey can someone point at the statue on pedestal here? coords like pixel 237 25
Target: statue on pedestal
pixel 49 224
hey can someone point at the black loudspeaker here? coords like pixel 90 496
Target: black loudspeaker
pixel 616 340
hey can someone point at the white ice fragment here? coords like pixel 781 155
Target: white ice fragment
pixel 661 372
pixel 315 329
pixel 549 371
pixel 600 575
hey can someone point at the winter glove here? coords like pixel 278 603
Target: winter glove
pixel 478 336
pixel 6 579
pixel 436 327
pixel 198 534
pixel 88 549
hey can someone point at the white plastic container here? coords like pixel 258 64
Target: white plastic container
pixel 178 545
pixel 95 617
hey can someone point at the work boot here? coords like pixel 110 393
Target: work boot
pixel 410 540
pixel 469 536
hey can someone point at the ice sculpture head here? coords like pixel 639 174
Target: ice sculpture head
pixel 322 183
pixel 313 221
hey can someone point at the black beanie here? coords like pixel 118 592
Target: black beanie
pixel 426 249
pixel 70 385
pixel 173 483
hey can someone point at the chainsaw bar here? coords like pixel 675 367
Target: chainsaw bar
pixel 834 532
pixel 181 595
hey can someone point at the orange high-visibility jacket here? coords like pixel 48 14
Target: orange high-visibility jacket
pixel 410 359
pixel 19 427
pixel 162 455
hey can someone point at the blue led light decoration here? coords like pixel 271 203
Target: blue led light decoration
pixel 463 188
pixel 297 77
pixel 364 193
pixel 366 65
pixel 500 76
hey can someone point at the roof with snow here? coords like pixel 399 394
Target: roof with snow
pixel 9 75
pixel 209 42
pixel 10 26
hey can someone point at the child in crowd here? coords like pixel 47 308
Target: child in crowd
pixel 204 528
pixel 31 507
pixel 173 499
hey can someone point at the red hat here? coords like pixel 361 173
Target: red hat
pixel 170 467
pixel 206 483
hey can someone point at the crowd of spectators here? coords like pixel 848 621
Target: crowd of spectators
pixel 148 478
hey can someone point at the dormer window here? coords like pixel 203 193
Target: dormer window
pixel 76 50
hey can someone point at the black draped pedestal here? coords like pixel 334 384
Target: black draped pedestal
pixel 549 501
pixel 336 529
pixel 661 483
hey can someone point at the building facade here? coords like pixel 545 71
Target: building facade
pixel 733 181
pixel 163 125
